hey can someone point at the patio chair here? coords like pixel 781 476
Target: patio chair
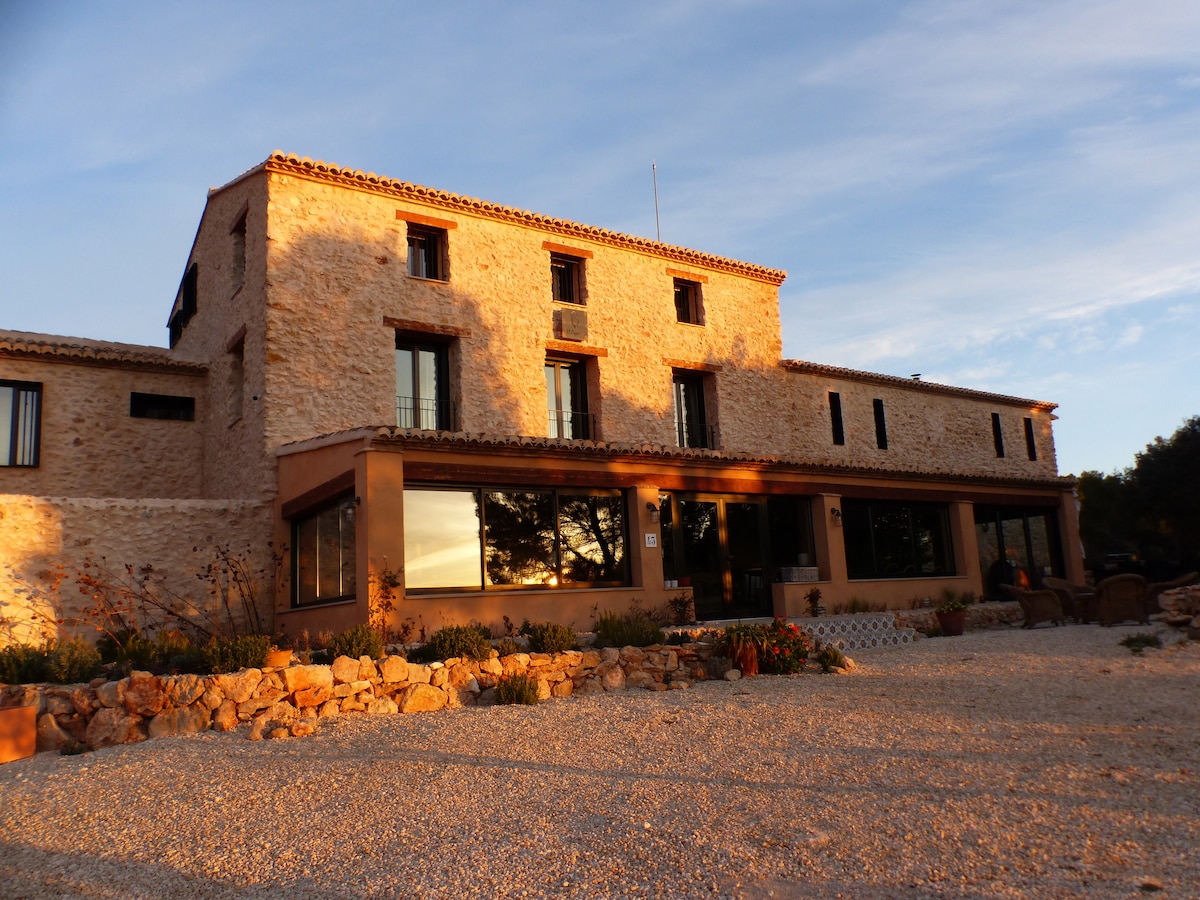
pixel 1078 601
pixel 1156 589
pixel 1120 598
pixel 1038 606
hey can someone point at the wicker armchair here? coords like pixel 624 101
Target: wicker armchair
pixel 1038 606
pixel 1078 601
pixel 1120 598
pixel 1157 587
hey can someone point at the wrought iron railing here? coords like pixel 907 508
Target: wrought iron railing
pixel 579 426
pixel 691 434
pixel 430 415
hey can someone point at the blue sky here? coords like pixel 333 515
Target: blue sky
pixel 998 195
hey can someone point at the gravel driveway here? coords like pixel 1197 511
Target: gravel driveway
pixel 1006 763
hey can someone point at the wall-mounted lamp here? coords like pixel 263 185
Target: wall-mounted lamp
pixel 837 517
pixel 653 510
pixel 358 501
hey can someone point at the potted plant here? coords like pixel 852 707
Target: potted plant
pixel 280 654
pixel 951 612
pixel 18 732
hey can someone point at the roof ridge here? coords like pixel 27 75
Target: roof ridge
pixel 304 166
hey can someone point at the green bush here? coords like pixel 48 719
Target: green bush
pixel 632 629
pixel 829 656
pixel 470 641
pixel 248 651
pixel 548 637
pixel 785 651
pixel 1140 641
pixel 361 640
pixel 517 689
pixel 507 647
pixel 128 650
pixel 23 664
pixel 72 662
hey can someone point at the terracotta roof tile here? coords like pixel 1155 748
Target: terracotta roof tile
pixel 23 344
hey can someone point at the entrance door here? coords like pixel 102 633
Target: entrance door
pixel 719 544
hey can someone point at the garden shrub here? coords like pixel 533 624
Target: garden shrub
pixel 507 647
pixel 548 637
pixel 829 656
pixel 632 629
pixel 517 689
pixel 361 640
pixel 470 641
pixel 248 651
pixel 1140 641
pixel 22 664
pixel 72 661
pixel 785 649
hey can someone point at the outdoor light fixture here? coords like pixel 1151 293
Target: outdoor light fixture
pixel 837 516
pixel 653 510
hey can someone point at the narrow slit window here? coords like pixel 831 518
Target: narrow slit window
pixel 1030 441
pixel 881 440
pixel 998 435
pixel 835 417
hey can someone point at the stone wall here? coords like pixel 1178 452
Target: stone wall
pixel 175 537
pixel 91 446
pixel 294 699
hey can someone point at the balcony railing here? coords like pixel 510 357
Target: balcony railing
pixel 577 426
pixel 690 434
pixel 430 415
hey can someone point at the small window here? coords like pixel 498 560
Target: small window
pixel 20 423
pixel 691 421
pixel 323 555
pixel 427 253
pixel 566 399
pixel 688 308
pixel 835 417
pixel 880 426
pixel 237 235
pixel 566 278
pixel 998 435
pixel 1030 440
pixel 162 406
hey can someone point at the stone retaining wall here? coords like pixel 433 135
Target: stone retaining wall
pixel 292 700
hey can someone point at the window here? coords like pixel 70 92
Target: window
pixel 235 385
pixel 896 540
pixel 423 386
pixel 238 235
pixel 835 417
pixel 566 399
pixel 427 253
pixel 997 435
pixel 688 308
pixel 691 423
pixel 880 426
pixel 1030 441
pixel 20 423
pixel 162 406
pixel 187 304
pixel 480 538
pixel 566 278
pixel 323 563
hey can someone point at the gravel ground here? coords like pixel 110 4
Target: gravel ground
pixel 1007 763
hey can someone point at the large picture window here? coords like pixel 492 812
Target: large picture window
pixel 323 563
pixel 472 539
pixel 897 540
pixel 20 423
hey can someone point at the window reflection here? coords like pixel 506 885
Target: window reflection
pixel 441 539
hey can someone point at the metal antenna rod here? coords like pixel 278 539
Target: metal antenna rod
pixel 654 174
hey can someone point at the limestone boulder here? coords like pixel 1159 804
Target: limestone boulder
pixel 112 693
pixel 384 706
pixel 345 669
pixel 110 727
pixel 239 686
pixel 49 735
pixel 393 669
pixel 491 666
pixel 180 720
pixel 225 716
pixel 562 688
pixel 84 700
pixel 183 690
pixel 366 669
pixel 639 678
pixel 145 696
pixel 304 678
pixel 312 697
pixel 612 678
pixel 419 674
pixel 421 698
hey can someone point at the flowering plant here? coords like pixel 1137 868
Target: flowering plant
pixel 787 648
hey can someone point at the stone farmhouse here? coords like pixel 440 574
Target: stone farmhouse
pixel 499 414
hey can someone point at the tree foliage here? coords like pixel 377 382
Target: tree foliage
pixel 1152 509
